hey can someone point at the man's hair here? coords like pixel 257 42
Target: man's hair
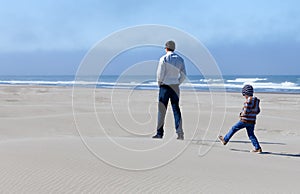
pixel 168 49
pixel 170 45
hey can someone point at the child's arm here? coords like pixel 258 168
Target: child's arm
pixel 248 105
pixel 251 107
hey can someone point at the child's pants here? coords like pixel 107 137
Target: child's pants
pixel 250 131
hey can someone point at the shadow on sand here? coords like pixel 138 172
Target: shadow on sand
pixel 271 153
pixel 204 142
pixel 266 143
pixel 198 141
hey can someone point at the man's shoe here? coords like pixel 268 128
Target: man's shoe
pixel 257 151
pixel 221 138
pixel 180 137
pixel 157 136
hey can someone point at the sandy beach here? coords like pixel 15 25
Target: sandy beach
pixel 56 140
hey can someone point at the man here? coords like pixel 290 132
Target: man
pixel 170 74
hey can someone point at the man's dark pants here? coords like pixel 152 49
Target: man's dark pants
pixel 167 92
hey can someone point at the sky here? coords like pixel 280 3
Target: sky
pixel 245 37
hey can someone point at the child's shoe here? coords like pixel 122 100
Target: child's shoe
pixel 257 150
pixel 221 138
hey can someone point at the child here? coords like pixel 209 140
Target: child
pixel 247 119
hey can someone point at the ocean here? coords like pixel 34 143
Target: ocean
pixel 231 83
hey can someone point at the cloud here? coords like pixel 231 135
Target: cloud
pixel 68 25
pixel 40 63
pixel 259 59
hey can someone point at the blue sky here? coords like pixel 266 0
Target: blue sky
pixel 245 37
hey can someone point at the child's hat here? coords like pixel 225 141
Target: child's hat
pixel 247 90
